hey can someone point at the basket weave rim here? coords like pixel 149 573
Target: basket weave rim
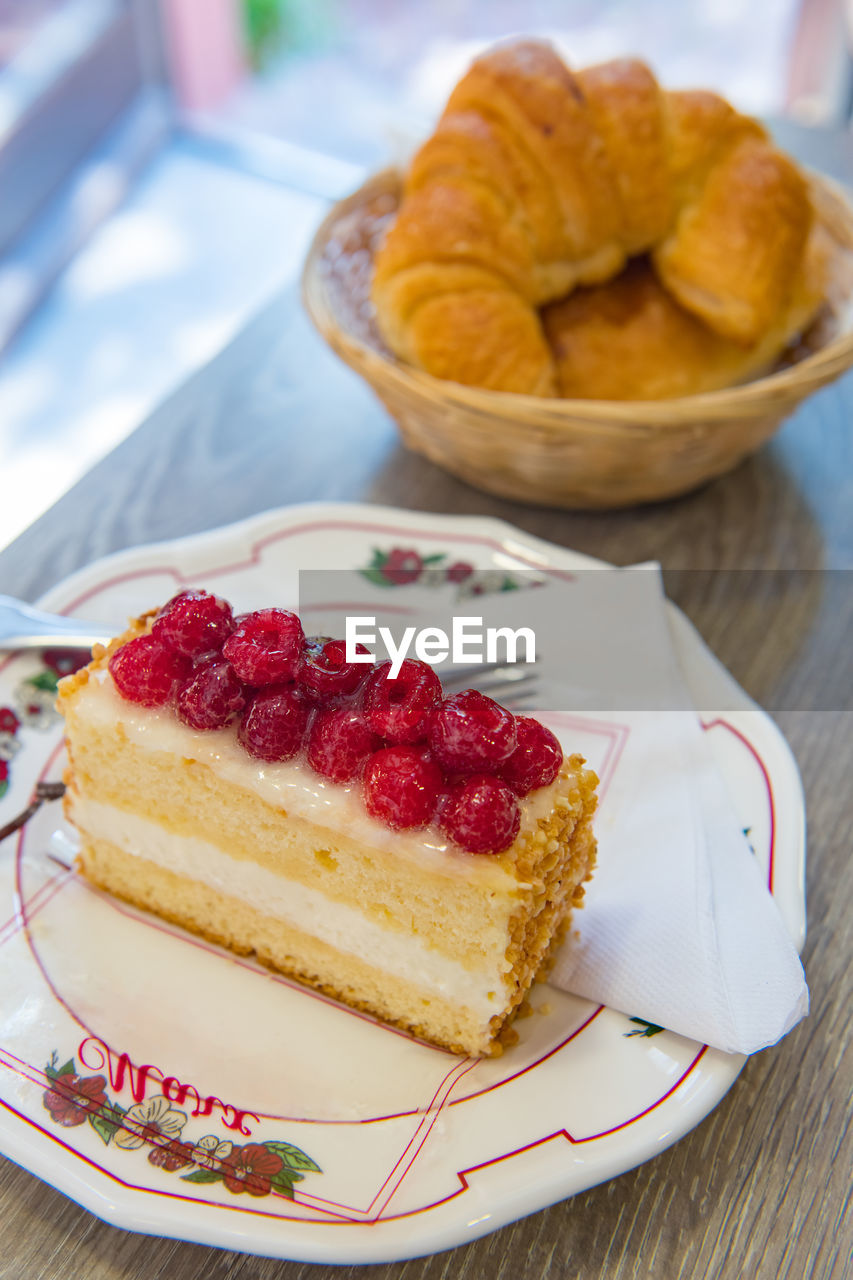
pixel 796 382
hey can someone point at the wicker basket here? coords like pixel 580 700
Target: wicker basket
pixel 566 453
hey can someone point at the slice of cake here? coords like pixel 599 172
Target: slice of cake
pixel 414 856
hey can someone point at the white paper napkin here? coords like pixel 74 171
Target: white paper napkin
pixel 678 926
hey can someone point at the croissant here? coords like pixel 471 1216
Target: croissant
pixel 629 339
pixel 538 180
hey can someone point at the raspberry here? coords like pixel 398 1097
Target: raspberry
pixel 339 743
pixel 194 623
pixel 324 672
pixel 266 646
pixel 469 733
pixel 481 814
pixel 399 709
pixel 274 723
pixel 401 787
pixel 212 696
pixel 536 760
pixel 146 672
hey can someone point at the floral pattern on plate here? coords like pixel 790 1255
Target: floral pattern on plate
pixel 34 697
pixel 402 566
pixel 258 1168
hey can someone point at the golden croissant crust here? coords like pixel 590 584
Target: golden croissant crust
pixel 538 180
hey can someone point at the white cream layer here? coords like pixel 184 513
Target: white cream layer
pixel 296 788
pixel 387 950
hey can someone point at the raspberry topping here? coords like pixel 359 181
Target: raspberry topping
pixel 469 733
pixel 146 672
pixel 459 764
pixel 275 722
pixel 481 814
pixel 324 672
pixel 399 709
pixel 536 760
pixel 195 623
pixel 212 696
pixel 339 743
pixel 402 787
pixel 266 646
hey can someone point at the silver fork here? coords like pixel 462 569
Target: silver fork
pixel 512 684
pixel 24 627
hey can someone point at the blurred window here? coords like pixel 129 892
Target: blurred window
pixel 69 69
pixel 359 79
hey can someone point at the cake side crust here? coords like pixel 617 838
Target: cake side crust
pixel 567 863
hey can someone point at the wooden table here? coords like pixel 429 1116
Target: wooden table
pixel 760 1188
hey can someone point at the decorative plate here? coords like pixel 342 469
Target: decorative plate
pixel 175 1089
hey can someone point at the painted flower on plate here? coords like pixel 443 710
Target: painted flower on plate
pixel 485 582
pixel 459 571
pixel 171 1155
pixel 71 1098
pixel 9 722
pixel 209 1152
pixel 35 705
pixel 154 1120
pixel 251 1168
pixel 63 661
pixel 402 565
